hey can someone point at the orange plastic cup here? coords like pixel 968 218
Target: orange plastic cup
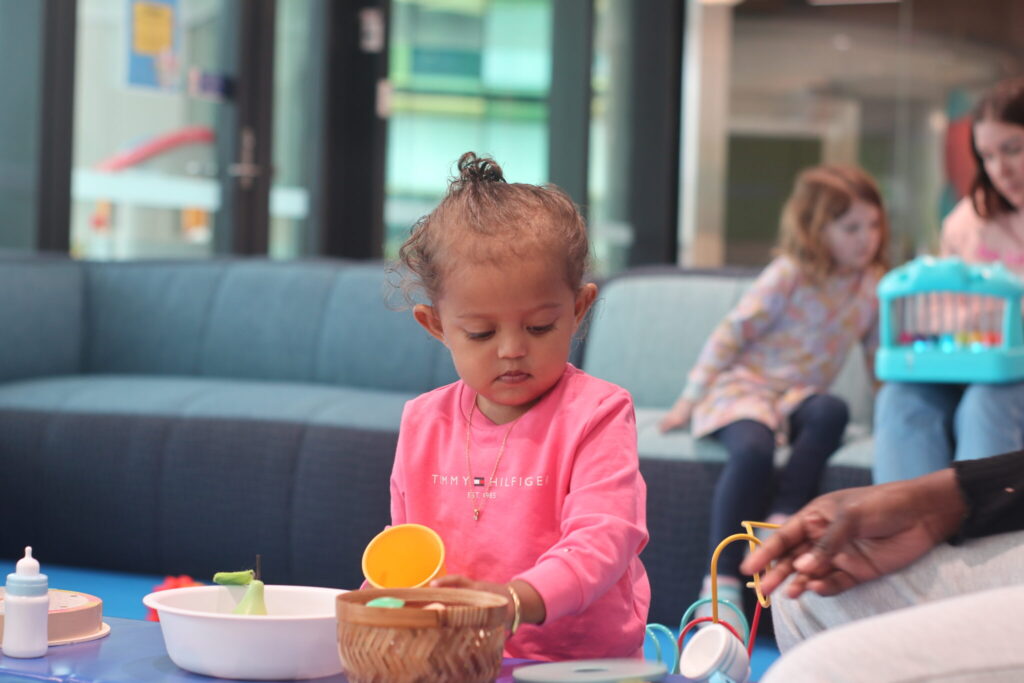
pixel 404 556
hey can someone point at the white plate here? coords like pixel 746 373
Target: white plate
pixel 592 671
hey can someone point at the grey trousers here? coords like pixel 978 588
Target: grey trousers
pixel 957 614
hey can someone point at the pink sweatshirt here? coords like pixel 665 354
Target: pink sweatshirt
pixel 565 510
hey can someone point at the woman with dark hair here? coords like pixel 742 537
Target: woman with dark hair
pixel 921 428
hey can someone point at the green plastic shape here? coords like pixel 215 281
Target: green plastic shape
pixel 252 602
pixel 241 578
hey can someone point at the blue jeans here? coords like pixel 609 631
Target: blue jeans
pixel 921 428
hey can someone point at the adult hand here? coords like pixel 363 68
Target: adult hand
pixel 531 605
pixel 847 537
pixel 678 416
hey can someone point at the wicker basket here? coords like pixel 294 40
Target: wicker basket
pixel 462 642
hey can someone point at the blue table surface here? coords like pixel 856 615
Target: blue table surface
pixel 133 652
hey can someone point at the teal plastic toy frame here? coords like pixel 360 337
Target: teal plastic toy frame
pixel 995 355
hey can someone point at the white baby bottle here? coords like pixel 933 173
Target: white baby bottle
pixel 26 610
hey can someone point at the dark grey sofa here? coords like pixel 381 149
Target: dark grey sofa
pixel 179 417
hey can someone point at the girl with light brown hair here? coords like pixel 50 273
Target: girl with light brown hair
pixel 764 373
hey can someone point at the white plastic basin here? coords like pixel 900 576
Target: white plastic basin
pixel 296 639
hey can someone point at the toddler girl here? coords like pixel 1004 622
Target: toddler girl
pixel 526 466
pixel 764 372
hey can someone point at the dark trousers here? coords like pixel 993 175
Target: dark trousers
pixel 744 490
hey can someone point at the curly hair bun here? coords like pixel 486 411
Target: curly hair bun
pixel 474 169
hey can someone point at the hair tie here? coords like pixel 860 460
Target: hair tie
pixel 479 169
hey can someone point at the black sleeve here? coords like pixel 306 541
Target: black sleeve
pixel 994 491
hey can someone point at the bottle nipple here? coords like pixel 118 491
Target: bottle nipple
pixel 28 565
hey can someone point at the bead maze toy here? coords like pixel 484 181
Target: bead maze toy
pixel 943 320
pixel 718 652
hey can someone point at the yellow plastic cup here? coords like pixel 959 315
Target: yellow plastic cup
pixel 404 556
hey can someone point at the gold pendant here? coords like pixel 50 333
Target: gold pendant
pixel 476 514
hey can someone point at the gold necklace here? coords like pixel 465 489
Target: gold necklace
pixel 478 506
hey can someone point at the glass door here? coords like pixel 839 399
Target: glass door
pixel 164 153
pixel 466 75
pixel 295 129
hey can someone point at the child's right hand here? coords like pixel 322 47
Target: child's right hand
pixel 678 416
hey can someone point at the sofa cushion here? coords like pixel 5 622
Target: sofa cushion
pixel 369 339
pixel 647 330
pixel 195 495
pixel 187 397
pixel 313 321
pixel 148 317
pixel 681 446
pixel 225 318
pixel 265 319
pixel 649 326
pixel 41 309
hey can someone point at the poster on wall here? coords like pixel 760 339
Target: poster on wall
pixel 153 44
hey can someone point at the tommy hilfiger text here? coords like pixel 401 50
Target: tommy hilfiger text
pixel 497 482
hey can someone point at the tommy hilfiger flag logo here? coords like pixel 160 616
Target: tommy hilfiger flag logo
pixel 478 481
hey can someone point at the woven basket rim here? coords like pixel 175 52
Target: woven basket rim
pixel 464 607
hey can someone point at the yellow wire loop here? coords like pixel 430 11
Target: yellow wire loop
pixel 714 568
pixel 756 583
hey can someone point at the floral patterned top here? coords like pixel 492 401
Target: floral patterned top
pixel 785 340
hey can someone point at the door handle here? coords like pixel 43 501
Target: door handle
pixel 245 169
